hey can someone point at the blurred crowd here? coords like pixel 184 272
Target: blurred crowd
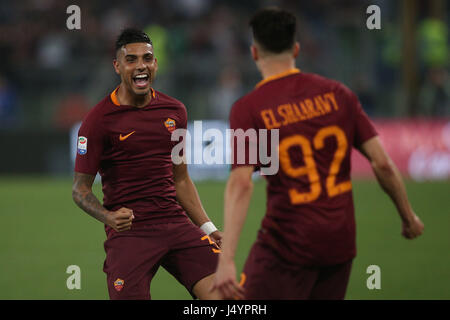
pixel 51 76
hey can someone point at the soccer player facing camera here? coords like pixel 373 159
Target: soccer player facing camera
pixel 126 137
pixel 306 243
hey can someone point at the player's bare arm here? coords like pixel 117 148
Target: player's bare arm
pixel 238 193
pixel 83 196
pixel 189 199
pixel 391 181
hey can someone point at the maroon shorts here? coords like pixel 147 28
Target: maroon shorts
pixel 267 277
pixel 134 256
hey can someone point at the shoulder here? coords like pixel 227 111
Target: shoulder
pixel 166 99
pixel 326 83
pixel 339 89
pixel 242 112
pixel 171 102
pixel 245 102
pixel 176 107
pixel 333 85
pixel 95 115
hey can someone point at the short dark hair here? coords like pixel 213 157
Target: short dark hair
pixel 274 29
pixel 131 35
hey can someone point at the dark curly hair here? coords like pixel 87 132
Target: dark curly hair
pixel 131 35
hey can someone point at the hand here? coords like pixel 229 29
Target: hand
pixel 120 220
pixel 216 236
pixel 412 228
pixel 225 281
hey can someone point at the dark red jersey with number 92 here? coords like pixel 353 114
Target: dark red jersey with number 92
pixel 310 214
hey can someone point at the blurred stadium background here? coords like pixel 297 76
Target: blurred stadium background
pixel 51 76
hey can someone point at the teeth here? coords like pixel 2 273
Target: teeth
pixel 141 76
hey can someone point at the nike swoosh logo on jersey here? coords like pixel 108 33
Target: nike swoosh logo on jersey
pixel 125 137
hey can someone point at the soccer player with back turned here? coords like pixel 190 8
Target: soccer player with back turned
pixel 127 139
pixel 306 244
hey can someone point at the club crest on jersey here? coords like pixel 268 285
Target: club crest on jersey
pixel 82 145
pixel 118 284
pixel 170 124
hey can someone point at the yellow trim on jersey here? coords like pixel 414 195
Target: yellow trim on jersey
pixel 278 76
pixel 243 279
pixel 114 99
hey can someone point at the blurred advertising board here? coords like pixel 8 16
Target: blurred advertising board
pixel 419 147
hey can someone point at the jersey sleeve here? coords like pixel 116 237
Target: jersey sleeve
pixel 90 146
pixel 183 117
pixel 244 138
pixel 178 138
pixel 364 129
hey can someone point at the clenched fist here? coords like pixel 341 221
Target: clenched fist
pixel 120 220
pixel 412 228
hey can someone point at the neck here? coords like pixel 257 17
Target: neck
pixel 273 65
pixel 128 98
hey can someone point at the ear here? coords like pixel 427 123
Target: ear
pixel 254 52
pixel 116 66
pixel 156 65
pixel 296 49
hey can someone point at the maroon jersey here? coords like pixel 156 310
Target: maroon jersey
pixel 131 149
pixel 310 213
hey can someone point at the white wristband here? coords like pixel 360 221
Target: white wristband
pixel 208 227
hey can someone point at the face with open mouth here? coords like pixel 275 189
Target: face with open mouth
pixel 137 67
pixel 141 81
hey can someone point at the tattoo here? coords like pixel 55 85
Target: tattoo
pixel 82 195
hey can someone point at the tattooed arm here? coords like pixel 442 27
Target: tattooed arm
pixel 83 196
